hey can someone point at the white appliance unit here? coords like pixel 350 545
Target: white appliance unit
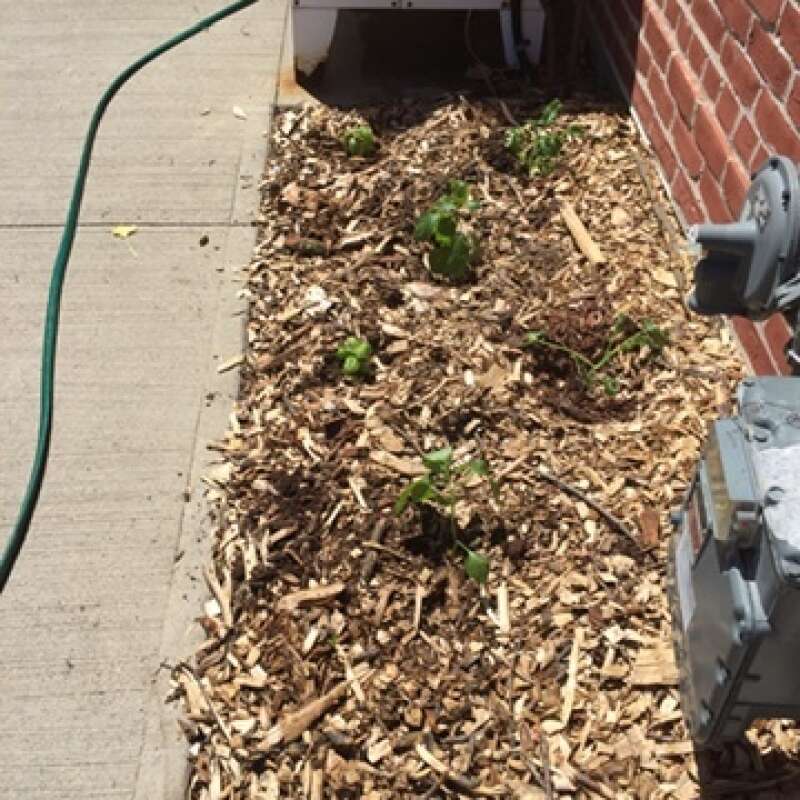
pixel 314 22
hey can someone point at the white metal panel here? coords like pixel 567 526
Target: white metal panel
pixel 425 5
pixel 314 22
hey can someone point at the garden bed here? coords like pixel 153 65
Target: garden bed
pixel 349 653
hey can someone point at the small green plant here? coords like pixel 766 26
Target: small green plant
pixel 453 251
pixel 621 340
pixel 354 355
pixel 538 143
pixel 440 488
pixel 359 141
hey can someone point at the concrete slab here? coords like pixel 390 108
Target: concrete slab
pixel 109 582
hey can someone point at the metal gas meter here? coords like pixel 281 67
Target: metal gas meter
pixel 735 564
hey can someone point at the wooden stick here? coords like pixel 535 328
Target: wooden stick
pixel 613 522
pixel 309 597
pixel 437 765
pixel 295 725
pixel 221 592
pixel 317 784
pixel 191 675
pixel 371 559
pixel 585 243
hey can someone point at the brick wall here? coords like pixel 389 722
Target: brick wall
pixel 715 85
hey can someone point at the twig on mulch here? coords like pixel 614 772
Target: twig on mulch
pixel 614 522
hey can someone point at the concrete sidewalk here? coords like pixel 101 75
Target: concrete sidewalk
pixel 108 582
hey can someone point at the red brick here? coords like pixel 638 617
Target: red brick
pixel 771 62
pixel 644 60
pixel 713 199
pixel 775 128
pixel 711 80
pixel 684 196
pixel 793 104
pixel 753 346
pixel 689 155
pixel 663 149
pixel 776 334
pixel 790 31
pixel 744 140
pixel 767 10
pixel 759 158
pixel 735 186
pixel 739 17
pixel 727 111
pixel 656 34
pixel 683 31
pixel 710 22
pixel 697 55
pixel 711 140
pixel 743 77
pixel 662 99
pixel 640 101
pixel 684 87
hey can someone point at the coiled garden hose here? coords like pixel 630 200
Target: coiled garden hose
pixel 19 532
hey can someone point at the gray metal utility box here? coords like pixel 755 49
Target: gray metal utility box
pixel 735 585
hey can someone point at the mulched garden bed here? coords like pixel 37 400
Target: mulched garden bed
pixel 348 653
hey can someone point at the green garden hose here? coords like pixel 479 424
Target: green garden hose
pixel 15 541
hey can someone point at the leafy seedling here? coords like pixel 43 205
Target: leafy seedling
pixel 453 251
pixel 359 141
pixel 538 143
pixel 648 334
pixel 440 488
pixel 354 355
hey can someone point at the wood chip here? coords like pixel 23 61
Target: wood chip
pixel 582 238
pixel 655 666
pixel 309 597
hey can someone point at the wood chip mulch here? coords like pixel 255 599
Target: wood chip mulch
pixel 347 654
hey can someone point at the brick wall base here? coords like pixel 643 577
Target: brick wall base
pixel 715 87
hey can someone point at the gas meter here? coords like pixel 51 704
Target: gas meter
pixel 735 563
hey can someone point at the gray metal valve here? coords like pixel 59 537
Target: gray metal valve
pixel 751 267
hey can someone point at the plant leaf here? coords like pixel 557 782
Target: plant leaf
pixel 458 192
pixel 351 366
pixel 454 260
pixel 361 349
pixel 416 492
pixel 549 113
pixel 533 338
pixel 124 231
pixel 610 385
pixel 445 230
pixel 477 466
pixel 438 260
pixel 438 462
pixel 476 566
pixel 359 141
pixel 426 226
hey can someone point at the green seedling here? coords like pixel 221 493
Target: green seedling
pixel 354 355
pixel 440 488
pixel 648 334
pixel 453 251
pixel 359 141
pixel 538 143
